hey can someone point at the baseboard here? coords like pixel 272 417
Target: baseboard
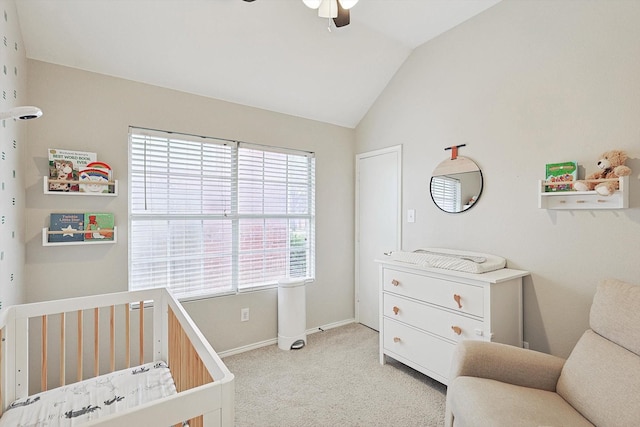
pixel 272 341
pixel 330 326
pixel 248 347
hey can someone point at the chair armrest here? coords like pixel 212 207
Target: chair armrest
pixel 507 364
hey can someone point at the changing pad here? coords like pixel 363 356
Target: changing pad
pixel 77 403
pixel 451 259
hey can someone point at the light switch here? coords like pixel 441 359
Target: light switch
pixel 411 215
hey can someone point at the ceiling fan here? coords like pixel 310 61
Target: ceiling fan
pixel 338 10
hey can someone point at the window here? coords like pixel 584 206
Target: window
pixel 210 216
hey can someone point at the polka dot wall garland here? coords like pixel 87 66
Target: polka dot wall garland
pixel 12 62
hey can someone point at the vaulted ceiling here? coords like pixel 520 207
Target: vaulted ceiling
pixel 272 54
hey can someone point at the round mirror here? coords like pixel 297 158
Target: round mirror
pixel 456 184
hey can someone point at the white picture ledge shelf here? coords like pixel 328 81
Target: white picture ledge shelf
pixel 80 193
pixel 46 242
pixel 584 199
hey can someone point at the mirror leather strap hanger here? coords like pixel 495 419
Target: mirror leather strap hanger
pixel 454 150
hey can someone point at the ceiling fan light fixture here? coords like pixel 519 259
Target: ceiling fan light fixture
pixel 347 4
pixel 312 4
pixel 328 9
pixel 338 10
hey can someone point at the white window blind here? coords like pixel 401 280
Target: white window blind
pixel 210 216
pixel 446 192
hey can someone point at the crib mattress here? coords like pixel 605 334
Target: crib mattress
pixel 77 403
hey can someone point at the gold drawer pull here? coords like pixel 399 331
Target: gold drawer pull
pixel 457 330
pixel 394 282
pixel 396 339
pixel 396 309
pixel 457 299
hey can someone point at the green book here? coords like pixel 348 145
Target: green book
pixel 560 176
pixel 98 226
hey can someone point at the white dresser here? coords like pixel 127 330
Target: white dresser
pixel 424 312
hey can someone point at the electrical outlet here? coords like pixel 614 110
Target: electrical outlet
pixel 244 315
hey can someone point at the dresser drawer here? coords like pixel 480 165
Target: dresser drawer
pixel 457 296
pixel 451 326
pixel 421 348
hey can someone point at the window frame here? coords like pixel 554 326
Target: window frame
pixel 234 215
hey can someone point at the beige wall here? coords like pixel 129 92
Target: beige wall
pixel 92 112
pixel 13 142
pixel 524 84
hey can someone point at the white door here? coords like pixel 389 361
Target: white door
pixel 378 224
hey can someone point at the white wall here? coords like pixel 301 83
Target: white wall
pixel 523 84
pixel 91 112
pixel 13 142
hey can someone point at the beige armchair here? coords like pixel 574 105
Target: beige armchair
pixel 498 385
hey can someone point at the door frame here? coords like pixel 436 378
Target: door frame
pixel 397 149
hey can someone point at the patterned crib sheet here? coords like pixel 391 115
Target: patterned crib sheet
pixel 78 403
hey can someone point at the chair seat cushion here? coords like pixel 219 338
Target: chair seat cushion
pixel 481 402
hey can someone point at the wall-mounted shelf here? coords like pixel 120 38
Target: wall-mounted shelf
pixel 47 180
pixel 46 242
pixel 584 199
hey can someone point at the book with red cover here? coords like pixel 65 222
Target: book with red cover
pixel 98 226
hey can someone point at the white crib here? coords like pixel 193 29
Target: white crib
pixel 56 331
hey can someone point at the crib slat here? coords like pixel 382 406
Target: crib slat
pixel 127 339
pixel 174 360
pixel 174 354
pixel 191 367
pixel 43 370
pixel 112 338
pixel 141 332
pixel 96 342
pixel 63 353
pixel 79 357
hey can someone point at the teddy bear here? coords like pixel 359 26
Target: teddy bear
pixel 611 165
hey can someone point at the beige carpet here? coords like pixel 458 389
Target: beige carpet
pixel 335 380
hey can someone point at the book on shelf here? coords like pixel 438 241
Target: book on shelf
pixel 98 226
pixel 560 176
pixel 95 177
pixel 66 227
pixel 65 165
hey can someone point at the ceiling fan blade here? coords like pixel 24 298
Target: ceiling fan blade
pixel 343 16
